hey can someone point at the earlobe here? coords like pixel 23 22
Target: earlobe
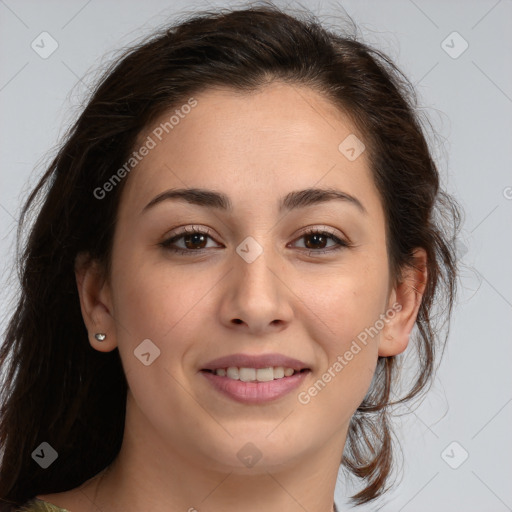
pixel 95 302
pixel 408 294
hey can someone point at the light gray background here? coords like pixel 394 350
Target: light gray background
pixel 469 101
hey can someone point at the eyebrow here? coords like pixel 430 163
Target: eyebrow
pixel 293 200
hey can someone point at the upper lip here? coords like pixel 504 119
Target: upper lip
pixel 255 361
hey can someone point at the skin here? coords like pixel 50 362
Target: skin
pixel 181 436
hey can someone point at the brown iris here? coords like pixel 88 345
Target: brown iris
pixel 318 237
pixel 196 238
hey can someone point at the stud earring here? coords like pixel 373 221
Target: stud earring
pixel 100 336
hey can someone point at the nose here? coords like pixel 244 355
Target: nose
pixel 256 299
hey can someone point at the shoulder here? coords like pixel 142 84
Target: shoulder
pixel 37 505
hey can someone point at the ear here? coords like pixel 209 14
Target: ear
pixel 95 302
pixel 408 294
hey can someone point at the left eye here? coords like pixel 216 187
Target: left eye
pixel 195 241
pixel 318 240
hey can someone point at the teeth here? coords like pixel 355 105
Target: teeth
pixel 255 374
pixel 247 374
pixel 232 373
pixel 279 372
pixel 264 374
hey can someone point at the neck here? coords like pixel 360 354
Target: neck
pixel 150 474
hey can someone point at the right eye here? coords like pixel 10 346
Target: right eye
pixel 192 238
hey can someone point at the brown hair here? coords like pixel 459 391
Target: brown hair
pixel 56 387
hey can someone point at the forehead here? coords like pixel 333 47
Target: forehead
pixel 258 144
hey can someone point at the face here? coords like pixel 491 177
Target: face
pixel 271 274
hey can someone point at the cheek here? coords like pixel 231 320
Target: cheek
pixel 345 320
pixel 345 300
pixel 349 342
pixel 152 298
pixel 167 304
pixel 166 307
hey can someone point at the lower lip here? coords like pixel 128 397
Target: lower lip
pixel 255 392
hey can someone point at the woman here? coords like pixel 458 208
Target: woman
pixel 234 245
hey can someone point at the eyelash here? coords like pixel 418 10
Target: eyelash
pixel 166 244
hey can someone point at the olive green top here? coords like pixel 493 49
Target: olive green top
pixel 37 505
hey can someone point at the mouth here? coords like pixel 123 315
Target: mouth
pixel 246 363
pixel 252 386
pixel 255 378
pixel 245 374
